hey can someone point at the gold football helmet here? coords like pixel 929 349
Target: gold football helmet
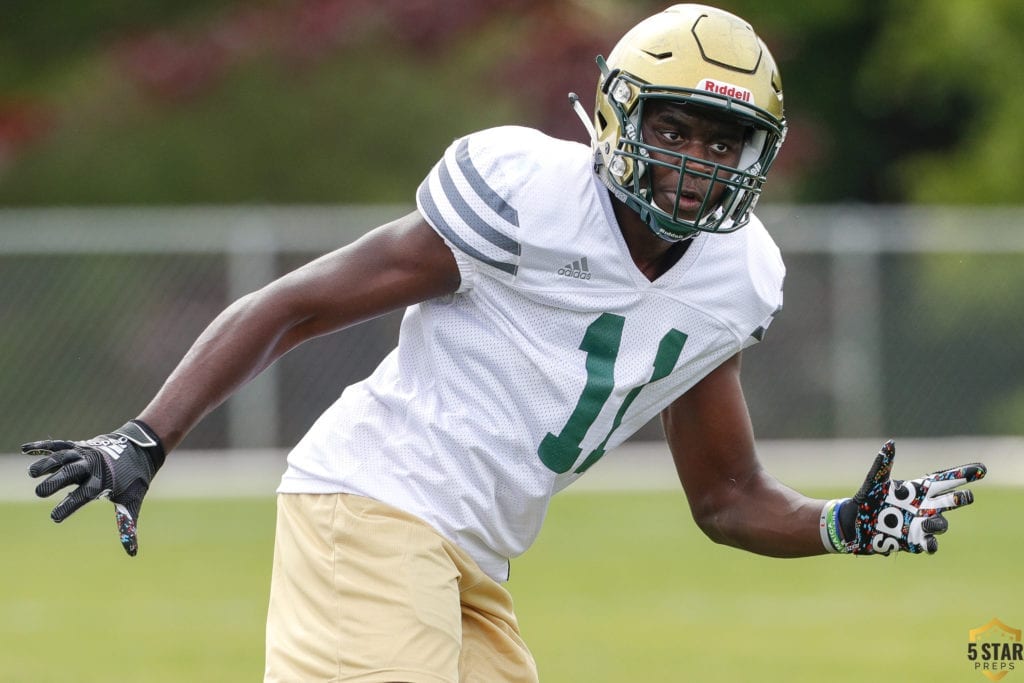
pixel 699 57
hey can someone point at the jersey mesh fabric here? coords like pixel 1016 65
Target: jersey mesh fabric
pixel 553 351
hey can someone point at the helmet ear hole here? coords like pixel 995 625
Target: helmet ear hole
pixel 753 146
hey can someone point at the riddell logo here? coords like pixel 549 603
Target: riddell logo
pixel 727 89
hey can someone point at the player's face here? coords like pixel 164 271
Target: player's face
pixel 704 139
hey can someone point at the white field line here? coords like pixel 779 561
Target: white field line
pixel 638 466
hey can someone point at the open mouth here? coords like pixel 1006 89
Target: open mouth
pixel 689 202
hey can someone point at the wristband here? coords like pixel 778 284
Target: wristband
pixel 828 527
pixel 835 531
pixel 826 513
pixel 148 440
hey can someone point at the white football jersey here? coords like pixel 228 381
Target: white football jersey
pixel 553 351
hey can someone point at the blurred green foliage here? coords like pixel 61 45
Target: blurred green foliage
pixel 327 101
pixel 956 68
pixel 264 136
pixel 40 41
pixel 235 108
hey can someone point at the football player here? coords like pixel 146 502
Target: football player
pixel 557 297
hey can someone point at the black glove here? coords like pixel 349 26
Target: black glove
pixel 889 515
pixel 117 466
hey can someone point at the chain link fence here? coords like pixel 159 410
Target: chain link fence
pixel 898 321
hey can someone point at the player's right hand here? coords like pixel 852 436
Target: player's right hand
pixel 118 466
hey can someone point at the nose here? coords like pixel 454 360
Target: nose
pixel 693 159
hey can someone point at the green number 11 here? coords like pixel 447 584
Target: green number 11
pixel 601 343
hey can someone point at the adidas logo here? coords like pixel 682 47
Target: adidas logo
pixel 112 447
pixel 577 269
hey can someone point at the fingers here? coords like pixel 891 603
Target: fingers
pixel 949 501
pixel 72 469
pixel 940 487
pixel 66 468
pixel 45 447
pixel 52 461
pixel 66 507
pixel 957 476
pixel 127 528
pixel 880 470
pixel 883 463
pixel 127 510
pixel 935 524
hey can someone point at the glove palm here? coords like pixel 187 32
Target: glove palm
pixel 888 515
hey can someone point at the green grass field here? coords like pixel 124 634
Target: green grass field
pixel 619 588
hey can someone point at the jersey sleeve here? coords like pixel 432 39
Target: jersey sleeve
pixel 468 199
pixel 759 332
pixel 767 273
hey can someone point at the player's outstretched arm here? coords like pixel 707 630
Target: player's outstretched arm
pixel 736 502
pixel 396 265
pixel 732 498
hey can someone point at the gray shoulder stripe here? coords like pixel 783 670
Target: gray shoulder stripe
pixel 466 213
pixel 432 212
pixel 491 197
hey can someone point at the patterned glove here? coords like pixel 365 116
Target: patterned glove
pixel 889 515
pixel 118 466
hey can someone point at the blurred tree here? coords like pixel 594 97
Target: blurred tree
pixel 223 101
pixel 283 102
pixel 40 38
pixel 954 67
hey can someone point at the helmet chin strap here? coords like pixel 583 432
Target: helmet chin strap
pixel 574 101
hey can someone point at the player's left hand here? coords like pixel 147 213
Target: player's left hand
pixel 889 515
pixel 118 466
